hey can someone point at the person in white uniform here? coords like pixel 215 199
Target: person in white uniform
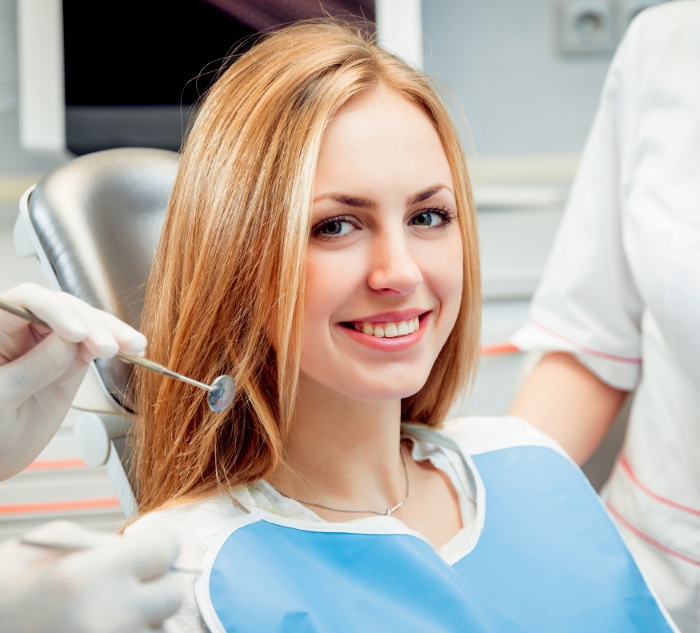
pixel 618 308
pixel 117 585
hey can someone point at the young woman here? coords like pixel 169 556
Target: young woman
pixel 321 246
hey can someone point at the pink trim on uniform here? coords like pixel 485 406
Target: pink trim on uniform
pixel 626 467
pixel 649 539
pixel 588 350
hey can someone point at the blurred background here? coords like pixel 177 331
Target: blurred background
pixel 523 78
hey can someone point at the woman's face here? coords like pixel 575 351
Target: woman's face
pixel 384 270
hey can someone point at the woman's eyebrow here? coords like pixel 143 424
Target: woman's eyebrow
pixel 349 201
pixel 422 196
pixel 365 203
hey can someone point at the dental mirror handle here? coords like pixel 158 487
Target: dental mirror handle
pixel 159 369
pixel 127 358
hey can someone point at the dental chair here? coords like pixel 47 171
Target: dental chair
pixel 93 224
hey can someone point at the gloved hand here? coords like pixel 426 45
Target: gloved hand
pixel 123 585
pixel 40 371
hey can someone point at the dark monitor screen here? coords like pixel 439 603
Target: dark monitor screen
pixel 143 52
pixel 134 68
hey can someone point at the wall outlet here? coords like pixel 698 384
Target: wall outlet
pixel 586 26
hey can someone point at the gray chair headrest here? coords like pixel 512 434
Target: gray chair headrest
pixel 98 219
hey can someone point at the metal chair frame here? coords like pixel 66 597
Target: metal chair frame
pixel 101 431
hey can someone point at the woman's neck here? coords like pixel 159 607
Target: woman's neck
pixel 342 452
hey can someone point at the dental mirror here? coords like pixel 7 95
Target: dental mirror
pixel 221 395
pixel 221 391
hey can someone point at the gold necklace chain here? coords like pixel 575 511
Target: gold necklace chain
pixel 388 512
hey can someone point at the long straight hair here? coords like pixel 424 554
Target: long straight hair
pixel 229 271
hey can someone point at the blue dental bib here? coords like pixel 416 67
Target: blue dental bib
pixel 548 559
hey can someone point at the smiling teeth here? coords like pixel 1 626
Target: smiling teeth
pixel 390 329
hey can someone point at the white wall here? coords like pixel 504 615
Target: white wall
pixel 520 96
pixel 16 165
pixel 8 55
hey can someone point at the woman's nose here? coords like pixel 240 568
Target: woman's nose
pixel 393 269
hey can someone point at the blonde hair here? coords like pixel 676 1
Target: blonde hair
pixel 230 267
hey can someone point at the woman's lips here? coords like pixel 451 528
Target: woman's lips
pixel 393 315
pixel 388 336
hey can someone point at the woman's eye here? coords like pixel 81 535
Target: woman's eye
pixel 430 217
pixel 335 228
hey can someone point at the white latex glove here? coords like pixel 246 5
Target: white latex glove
pixel 40 371
pixel 123 585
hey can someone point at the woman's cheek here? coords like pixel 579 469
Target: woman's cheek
pixel 330 282
pixel 444 272
pixel 443 267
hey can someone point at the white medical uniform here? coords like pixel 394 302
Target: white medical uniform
pixel 622 290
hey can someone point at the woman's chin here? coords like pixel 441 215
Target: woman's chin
pixel 367 382
pixel 383 392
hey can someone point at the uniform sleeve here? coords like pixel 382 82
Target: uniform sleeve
pixel 587 302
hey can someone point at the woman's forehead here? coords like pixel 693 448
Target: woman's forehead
pixel 381 140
